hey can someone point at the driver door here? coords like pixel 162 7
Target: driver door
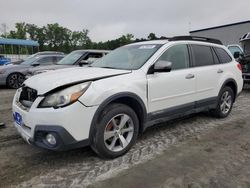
pixel 172 90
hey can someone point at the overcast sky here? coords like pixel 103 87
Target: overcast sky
pixel 109 19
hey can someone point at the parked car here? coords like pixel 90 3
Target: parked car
pixel 132 88
pixel 37 54
pixel 14 75
pixel 245 58
pixel 4 60
pixel 75 58
pixel 235 49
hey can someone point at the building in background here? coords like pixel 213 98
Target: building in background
pixel 228 34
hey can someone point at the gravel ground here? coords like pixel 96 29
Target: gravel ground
pixel 23 165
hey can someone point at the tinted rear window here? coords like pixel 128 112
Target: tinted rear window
pixel 223 55
pixel 202 55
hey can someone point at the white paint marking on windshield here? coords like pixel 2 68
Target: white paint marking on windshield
pixel 147 47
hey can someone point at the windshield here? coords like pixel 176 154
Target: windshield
pixel 71 58
pixel 29 57
pixel 29 60
pixel 127 57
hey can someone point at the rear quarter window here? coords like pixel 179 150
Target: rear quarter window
pixel 223 55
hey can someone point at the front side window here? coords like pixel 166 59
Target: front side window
pixel 202 55
pixel 46 60
pixel 58 58
pixel 223 55
pixel 178 55
pixel 29 60
pixel 91 57
pixel 71 58
pixel 130 57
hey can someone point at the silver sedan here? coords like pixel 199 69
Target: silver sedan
pixel 14 75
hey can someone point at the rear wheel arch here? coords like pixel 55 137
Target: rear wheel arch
pixel 130 99
pixel 232 84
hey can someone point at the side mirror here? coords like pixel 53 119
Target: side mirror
pixel 35 64
pixel 236 55
pixel 162 66
pixel 83 62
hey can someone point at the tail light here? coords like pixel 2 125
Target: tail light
pixel 239 67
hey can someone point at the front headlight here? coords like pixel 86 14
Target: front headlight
pixel 65 97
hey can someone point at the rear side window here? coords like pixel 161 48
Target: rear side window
pixel 223 55
pixel 178 55
pixel 202 55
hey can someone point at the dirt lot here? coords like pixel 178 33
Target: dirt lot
pixel 198 151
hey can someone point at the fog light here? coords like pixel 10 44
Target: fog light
pixel 51 139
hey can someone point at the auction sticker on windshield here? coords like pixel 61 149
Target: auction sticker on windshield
pixel 147 47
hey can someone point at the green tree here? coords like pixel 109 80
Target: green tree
pixel 19 32
pixel 152 36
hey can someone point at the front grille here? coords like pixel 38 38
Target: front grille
pixel 27 96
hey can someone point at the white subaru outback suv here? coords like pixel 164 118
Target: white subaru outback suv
pixel 136 86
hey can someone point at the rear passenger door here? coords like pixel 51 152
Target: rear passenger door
pixel 208 72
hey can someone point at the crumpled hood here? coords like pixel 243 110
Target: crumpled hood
pixel 48 81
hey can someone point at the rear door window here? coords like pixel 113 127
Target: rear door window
pixel 223 55
pixel 202 55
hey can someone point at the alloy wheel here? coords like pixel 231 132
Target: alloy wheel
pixel 118 132
pixel 15 81
pixel 226 102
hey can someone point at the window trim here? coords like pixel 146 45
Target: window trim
pixel 212 48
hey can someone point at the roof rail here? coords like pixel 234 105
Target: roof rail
pixel 196 38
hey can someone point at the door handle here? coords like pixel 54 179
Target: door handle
pixel 190 76
pixel 220 71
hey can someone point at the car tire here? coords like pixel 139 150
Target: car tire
pixel 15 80
pixel 116 131
pixel 225 103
